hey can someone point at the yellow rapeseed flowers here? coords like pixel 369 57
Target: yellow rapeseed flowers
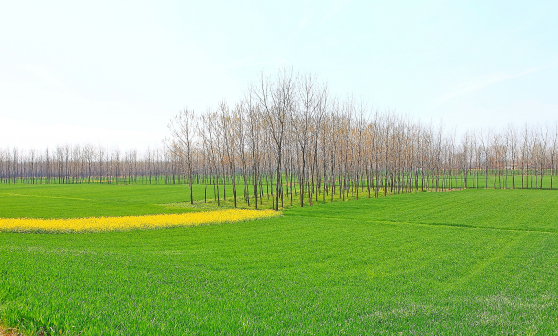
pixel 99 224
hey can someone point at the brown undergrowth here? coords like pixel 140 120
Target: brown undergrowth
pixel 5 331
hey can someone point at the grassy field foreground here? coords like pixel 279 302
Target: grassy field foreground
pixel 462 262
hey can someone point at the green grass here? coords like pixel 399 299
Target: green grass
pixel 531 210
pixel 85 200
pixel 464 262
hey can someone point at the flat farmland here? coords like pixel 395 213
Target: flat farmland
pixel 461 262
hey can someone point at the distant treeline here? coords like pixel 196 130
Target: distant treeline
pixel 87 164
pixel 291 138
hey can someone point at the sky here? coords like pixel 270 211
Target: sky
pixel 114 73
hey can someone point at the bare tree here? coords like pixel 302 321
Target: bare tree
pixel 182 129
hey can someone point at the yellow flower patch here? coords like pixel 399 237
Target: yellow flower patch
pixel 98 224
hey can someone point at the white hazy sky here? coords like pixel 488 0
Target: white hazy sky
pixel 114 73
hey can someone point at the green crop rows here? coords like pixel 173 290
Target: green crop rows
pixel 461 262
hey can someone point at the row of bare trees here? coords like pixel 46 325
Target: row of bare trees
pixel 86 164
pixel 289 141
pixel 290 135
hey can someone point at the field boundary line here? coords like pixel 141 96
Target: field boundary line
pixel 42 196
pixel 472 227
pixel 434 224
pixel 483 264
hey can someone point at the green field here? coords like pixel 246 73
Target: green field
pixel 461 262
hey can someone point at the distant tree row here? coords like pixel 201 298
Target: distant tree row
pixel 288 138
pixel 86 164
